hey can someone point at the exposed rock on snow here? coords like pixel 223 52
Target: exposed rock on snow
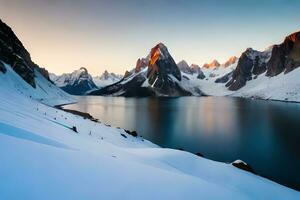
pixel 193 69
pixel 242 165
pixel 225 78
pixel 22 75
pixel 251 62
pixel 14 53
pixel 2 68
pixel 184 67
pixel 45 92
pixel 286 56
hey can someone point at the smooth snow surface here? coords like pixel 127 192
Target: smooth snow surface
pixel 45 91
pixel 42 158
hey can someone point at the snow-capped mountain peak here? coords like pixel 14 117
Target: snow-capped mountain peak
pixel 106 78
pixel 230 61
pixel 77 82
pixel 213 64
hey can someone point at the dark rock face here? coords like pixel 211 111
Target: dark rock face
pixel 45 73
pixel 196 69
pixel 162 64
pixel 184 67
pixel 161 69
pixel 201 75
pixel 14 53
pixel 225 78
pixel 286 56
pixel 259 67
pixel 250 63
pixel 193 69
pixel 243 166
pixel 2 68
pixel 242 72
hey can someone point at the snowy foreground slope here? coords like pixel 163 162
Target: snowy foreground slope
pixel 41 157
pixel 44 92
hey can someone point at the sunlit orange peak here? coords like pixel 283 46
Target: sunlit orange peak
pixel 155 53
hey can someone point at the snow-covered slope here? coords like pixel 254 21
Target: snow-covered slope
pixel 78 82
pixel 45 91
pixel 46 153
pixel 106 79
pixel 283 87
pixel 217 72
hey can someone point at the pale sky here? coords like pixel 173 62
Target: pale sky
pixel 63 35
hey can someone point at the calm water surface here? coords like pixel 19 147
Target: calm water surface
pixel 264 134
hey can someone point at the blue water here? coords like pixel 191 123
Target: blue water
pixel 265 134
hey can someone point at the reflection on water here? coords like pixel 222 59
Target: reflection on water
pixel 264 134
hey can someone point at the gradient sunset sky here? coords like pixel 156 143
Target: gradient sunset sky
pixel 63 35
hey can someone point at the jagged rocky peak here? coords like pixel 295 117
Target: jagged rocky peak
pixel 183 64
pixel 251 62
pixel 211 65
pixel 195 66
pixel 161 66
pixel 184 67
pixel 285 56
pixel 230 61
pixel 108 75
pixel 106 78
pixel 141 63
pixel 105 75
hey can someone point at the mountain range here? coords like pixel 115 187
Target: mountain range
pixel 268 74
pixel 80 82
